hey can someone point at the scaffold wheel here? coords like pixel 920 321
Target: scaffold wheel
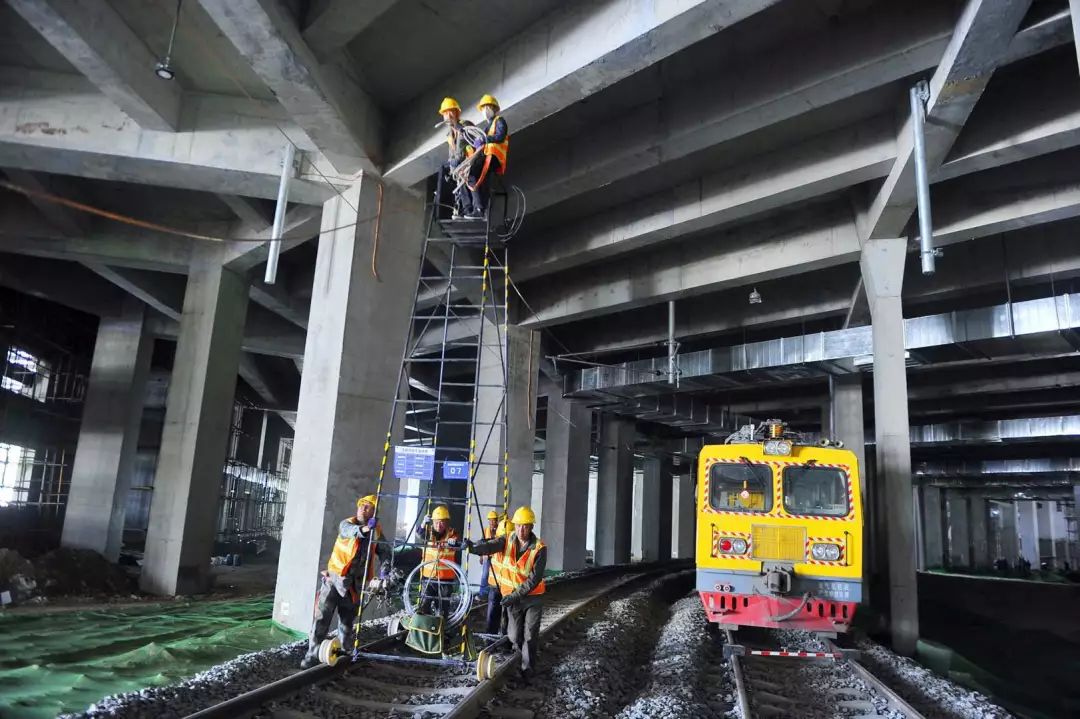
pixel 485 665
pixel 330 651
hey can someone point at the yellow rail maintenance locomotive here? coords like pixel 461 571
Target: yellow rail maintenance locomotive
pixel 779 531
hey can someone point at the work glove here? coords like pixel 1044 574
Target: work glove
pixel 468 544
pixel 479 143
pixel 372 522
pixel 452 542
pixel 384 571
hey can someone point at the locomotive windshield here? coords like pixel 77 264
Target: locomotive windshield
pixel 815 491
pixel 741 487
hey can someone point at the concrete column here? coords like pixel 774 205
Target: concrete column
pixel 882 264
pixel 614 490
pixel 187 485
pixel 1074 8
pixel 663 526
pixel 647 509
pixel 491 473
pixel 1010 544
pixel 933 541
pixel 979 537
pixel 109 433
pixel 1047 549
pixel 635 522
pixel 685 519
pixel 1027 523
pixel 521 388
pixel 566 481
pixel 959 530
pixel 847 425
pixel 356 335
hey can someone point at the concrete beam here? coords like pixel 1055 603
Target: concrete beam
pixel 838 159
pixel 987 204
pixel 247 209
pixel 850 58
pixel 163 292
pixel 280 302
pixel 94 38
pixel 58 123
pixel 568 56
pixel 781 247
pixel 337 115
pixel 264 333
pixel 69 222
pixel 336 22
pixel 65 283
pixel 1074 11
pixel 977 46
pixel 301 224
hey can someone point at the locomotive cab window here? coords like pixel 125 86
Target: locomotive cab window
pixel 815 491
pixel 740 487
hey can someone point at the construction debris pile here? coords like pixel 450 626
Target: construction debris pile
pixel 61 572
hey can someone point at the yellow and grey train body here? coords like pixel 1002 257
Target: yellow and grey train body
pixel 779 532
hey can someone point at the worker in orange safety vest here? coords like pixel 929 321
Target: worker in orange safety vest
pixel 496 150
pixel 441 545
pixel 519 560
pixel 341 581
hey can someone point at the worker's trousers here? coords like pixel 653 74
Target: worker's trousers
pixel 436 596
pixel 495 623
pixel 523 628
pixel 333 599
pixel 481 196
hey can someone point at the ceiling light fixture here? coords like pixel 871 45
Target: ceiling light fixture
pixel 163 68
pixel 755 297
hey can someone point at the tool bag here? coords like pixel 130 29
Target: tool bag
pixel 427 635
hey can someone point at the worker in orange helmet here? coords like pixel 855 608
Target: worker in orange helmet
pixel 519 559
pixel 340 590
pixel 496 150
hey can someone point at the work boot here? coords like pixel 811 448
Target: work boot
pixel 310 659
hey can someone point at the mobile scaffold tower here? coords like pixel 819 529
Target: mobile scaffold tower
pixel 452 408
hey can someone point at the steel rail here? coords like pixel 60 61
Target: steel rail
pixel 741 693
pixel 473 703
pixel 895 701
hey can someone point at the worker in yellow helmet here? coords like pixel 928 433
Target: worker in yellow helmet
pixel 496 150
pixel 458 150
pixel 496 618
pixel 340 590
pixel 519 561
pixel 441 545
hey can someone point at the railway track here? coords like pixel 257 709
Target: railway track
pixel 380 689
pixel 796 674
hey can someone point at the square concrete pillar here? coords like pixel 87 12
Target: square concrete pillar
pixel 356 335
pixel 187 485
pixel 1027 522
pixel 663 527
pixel 1010 539
pixel 1047 543
pixel 933 539
pixel 979 536
pixel 684 522
pixel 109 433
pixel 614 490
pixel 959 530
pixel 566 481
pixel 882 263
pixel 647 509
pixel 846 424
pixel 521 389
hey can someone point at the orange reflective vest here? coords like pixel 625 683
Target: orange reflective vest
pixel 438 549
pixel 498 150
pixel 492 562
pixel 513 570
pixel 346 549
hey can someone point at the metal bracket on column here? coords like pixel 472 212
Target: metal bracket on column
pixel 920 94
pixel 673 347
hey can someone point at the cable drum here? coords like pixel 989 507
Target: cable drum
pixel 463 596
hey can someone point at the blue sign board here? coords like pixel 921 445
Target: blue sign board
pixel 455 470
pixel 414 463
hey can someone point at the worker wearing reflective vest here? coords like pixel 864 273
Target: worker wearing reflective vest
pixel 340 590
pixel 519 560
pixel 496 149
pixel 496 617
pixel 441 544
pixel 458 150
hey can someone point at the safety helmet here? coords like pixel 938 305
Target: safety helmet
pixel 370 499
pixel 493 514
pixel 449 103
pixel 505 527
pixel 440 512
pixel 487 100
pixel 524 515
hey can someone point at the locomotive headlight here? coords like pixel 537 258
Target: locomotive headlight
pixel 825 552
pixel 738 546
pixel 777 447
